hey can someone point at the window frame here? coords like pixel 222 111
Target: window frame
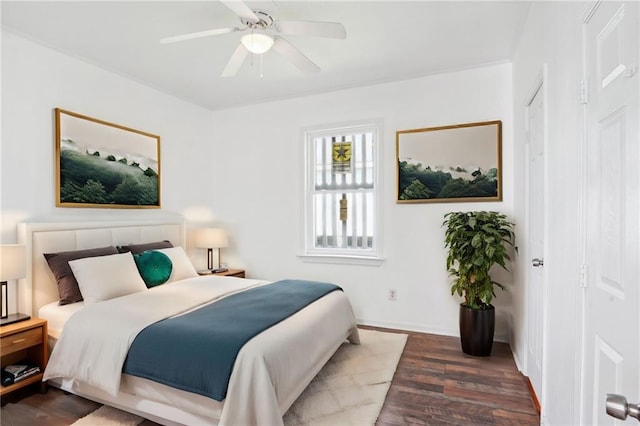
pixel 335 254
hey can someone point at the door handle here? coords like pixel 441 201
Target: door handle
pixel 537 262
pixel 618 407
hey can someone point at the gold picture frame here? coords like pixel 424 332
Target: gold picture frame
pixel 445 164
pixel 105 165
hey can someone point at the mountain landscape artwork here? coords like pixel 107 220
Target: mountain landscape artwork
pixel 456 163
pixel 100 164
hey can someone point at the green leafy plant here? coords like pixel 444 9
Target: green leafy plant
pixel 476 241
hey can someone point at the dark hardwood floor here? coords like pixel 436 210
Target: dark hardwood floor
pixel 434 384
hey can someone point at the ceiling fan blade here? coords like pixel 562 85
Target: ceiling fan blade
pixel 199 34
pixel 313 29
pixel 242 10
pixel 297 58
pixel 236 61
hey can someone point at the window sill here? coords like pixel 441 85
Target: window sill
pixel 342 259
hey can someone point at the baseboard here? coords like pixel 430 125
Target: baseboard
pixel 407 327
pixel 421 329
pixel 517 361
pixel 534 397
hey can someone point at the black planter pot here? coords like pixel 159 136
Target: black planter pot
pixel 476 330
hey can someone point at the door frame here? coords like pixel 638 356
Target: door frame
pixel 540 84
pixel 590 8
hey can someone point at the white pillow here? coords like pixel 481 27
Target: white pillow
pixel 182 266
pixel 106 277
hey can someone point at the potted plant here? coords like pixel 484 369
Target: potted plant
pixel 476 241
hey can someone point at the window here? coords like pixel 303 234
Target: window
pixel 341 202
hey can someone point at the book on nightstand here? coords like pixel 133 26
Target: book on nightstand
pixel 14 373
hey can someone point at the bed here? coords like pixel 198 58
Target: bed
pixel 271 370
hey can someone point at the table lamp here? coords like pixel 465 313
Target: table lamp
pixel 13 266
pixel 212 238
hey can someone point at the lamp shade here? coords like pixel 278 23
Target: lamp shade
pixel 257 43
pixel 212 238
pixel 13 263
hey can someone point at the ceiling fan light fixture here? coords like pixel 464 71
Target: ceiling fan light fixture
pixel 257 43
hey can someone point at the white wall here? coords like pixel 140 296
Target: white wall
pixel 257 170
pixel 35 80
pixel 552 36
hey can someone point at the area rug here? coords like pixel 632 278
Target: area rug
pixel 349 390
pixel 109 416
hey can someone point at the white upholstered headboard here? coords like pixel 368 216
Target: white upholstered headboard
pixel 39 287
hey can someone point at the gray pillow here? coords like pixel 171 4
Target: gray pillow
pixel 139 248
pixel 68 289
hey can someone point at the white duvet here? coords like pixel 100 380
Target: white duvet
pixel 271 370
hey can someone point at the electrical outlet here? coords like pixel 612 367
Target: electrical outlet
pixel 392 294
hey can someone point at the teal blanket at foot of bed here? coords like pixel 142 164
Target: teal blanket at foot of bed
pixel 195 352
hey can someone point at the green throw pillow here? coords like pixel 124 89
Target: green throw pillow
pixel 154 267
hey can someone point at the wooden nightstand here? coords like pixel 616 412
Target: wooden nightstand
pixel 232 273
pixel 24 341
pixel 240 273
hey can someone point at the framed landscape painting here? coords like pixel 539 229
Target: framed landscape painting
pixel 456 163
pixel 104 165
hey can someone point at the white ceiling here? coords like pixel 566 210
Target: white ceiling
pixel 386 41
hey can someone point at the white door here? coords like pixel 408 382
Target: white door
pixel 536 120
pixel 611 357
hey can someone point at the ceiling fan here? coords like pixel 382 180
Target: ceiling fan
pixel 260 37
